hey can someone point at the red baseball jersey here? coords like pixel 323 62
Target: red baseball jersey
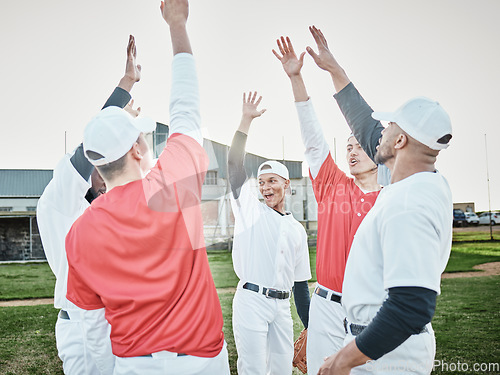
pixel 342 205
pixel 138 251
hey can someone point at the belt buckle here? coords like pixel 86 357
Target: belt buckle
pixel 269 290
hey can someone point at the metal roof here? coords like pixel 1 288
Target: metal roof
pixel 23 182
pixel 32 182
pixel 217 153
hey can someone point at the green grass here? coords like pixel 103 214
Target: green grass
pixel 22 281
pixel 27 342
pixel 466 321
pixel 476 236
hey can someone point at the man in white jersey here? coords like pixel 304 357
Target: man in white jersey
pixel 401 248
pixel 270 256
pixel 64 199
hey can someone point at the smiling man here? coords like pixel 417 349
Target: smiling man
pixel 343 202
pixel 270 256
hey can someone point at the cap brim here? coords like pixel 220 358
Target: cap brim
pixel 384 116
pixel 145 124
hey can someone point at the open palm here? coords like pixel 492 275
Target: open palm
pixel 291 64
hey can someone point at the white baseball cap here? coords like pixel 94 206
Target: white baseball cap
pixel 112 133
pixel 423 119
pixel 275 167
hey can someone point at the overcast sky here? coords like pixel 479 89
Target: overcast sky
pixel 62 58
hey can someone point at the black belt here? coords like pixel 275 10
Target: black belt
pixel 324 293
pixel 356 329
pixel 64 315
pixel 268 292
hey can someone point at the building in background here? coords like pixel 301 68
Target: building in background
pixel 20 190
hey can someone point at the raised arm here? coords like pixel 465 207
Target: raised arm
pixel 119 98
pixel 354 108
pixel 292 67
pixel 312 135
pixel 236 156
pixel 175 13
pixel 185 97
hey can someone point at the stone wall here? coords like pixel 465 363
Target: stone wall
pixel 15 241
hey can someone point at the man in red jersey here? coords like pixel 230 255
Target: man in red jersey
pixel 343 202
pixel 137 255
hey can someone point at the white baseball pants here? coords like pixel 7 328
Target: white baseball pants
pixel 263 332
pixel 326 333
pixel 165 363
pixel 415 356
pixel 71 346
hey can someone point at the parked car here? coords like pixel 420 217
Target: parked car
pixel 471 218
pixel 459 219
pixel 485 218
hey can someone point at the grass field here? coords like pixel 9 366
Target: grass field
pixel 466 321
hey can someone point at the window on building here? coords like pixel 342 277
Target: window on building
pixel 5 209
pixel 211 178
pixel 31 208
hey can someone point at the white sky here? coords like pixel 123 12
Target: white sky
pixel 62 58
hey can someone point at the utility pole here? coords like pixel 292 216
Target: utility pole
pixel 65 142
pixel 334 149
pixel 488 181
pixel 283 145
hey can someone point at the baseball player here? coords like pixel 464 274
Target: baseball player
pixel 150 276
pixel 402 247
pixel 270 253
pixel 64 199
pixel 343 202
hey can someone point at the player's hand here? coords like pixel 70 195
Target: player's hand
pixel 291 64
pixel 250 105
pixel 130 109
pixel 330 367
pixel 132 69
pixel 324 58
pixel 175 12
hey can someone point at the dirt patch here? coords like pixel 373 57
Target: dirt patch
pixel 478 228
pixel 27 302
pixel 486 269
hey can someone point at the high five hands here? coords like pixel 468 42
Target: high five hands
pixel 291 64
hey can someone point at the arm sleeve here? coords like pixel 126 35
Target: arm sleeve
pixel 302 300
pixel 404 313
pixel 365 128
pixel 312 136
pixel 119 98
pixel 235 163
pixel 96 330
pixel 358 115
pixel 185 98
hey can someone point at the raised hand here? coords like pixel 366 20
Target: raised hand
pixel 250 105
pixel 175 12
pixel 132 69
pixel 249 111
pixel 291 64
pixel 324 58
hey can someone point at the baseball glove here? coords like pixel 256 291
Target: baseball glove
pixel 299 352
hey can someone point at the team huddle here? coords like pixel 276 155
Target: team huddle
pixel 123 234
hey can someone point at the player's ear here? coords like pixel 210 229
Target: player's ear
pixel 136 151
pixel 401 141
